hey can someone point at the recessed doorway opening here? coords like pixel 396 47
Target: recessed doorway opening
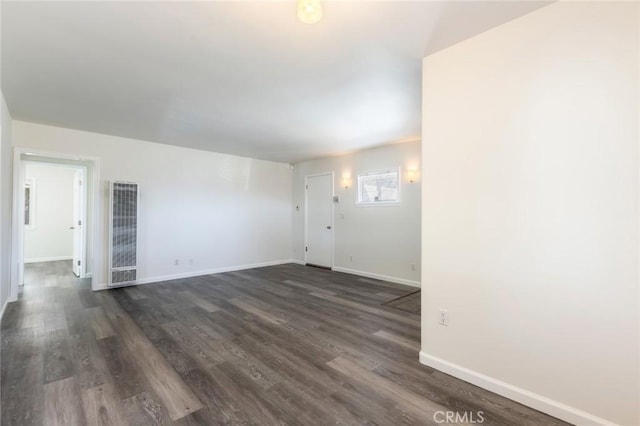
pixel 54 210
pixel 55 216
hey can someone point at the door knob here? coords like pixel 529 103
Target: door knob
pixel 328 227
pixel 72 227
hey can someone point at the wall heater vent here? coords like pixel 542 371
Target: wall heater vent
pixel 123 233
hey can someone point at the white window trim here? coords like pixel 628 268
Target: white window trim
pixel 378 203
pixel 31 182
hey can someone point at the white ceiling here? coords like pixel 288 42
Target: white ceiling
pixel 244 78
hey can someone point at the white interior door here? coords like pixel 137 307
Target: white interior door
pixel 319 197
pixel 78 222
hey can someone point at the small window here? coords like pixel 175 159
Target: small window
pixel 379 188
pixel 29 204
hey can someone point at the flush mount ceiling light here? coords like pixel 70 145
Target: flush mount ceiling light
pixel 309 11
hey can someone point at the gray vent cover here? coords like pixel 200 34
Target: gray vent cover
pixel 123 228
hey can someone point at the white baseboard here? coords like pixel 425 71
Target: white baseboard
pixel 377 276
pixel 47 259
pixel 530 399
pixel 161 278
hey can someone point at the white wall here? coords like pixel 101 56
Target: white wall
pixel 209 211
pixel 5 204
pixel 383 241
pixel 530 210
pixel 50 237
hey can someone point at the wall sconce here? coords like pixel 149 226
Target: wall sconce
pixel 346 179
pixel 412 175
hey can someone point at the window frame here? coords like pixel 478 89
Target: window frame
pixel 396 202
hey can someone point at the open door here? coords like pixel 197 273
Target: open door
pixel 78 222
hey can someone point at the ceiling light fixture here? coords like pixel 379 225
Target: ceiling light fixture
pixel 309 11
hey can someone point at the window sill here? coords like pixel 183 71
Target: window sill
pixel 379 204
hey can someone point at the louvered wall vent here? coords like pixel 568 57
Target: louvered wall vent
pixel 123 229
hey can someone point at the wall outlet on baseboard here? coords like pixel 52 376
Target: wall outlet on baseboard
pixel 350 258
pixel 444 317
pixel 176 262
pixel 413 266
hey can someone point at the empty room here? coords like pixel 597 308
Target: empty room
pixel 320 212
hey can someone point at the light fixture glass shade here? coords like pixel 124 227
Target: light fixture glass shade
pixel 346 179
pixel 309 11
pixel 412 174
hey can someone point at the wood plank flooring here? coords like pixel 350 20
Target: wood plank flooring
pixel 283 345
pixel 409 303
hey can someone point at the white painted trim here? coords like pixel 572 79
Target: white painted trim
pixel 162 278
pixel 530 399
pixel 333 214
pixel 17 225
pixel 47 259
pixel 4 307
pixel 298 261
pixel 378 276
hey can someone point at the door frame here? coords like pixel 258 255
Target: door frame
pixel 17 225
pixel 306 214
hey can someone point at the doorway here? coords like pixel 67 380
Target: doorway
pixel 54 217
pixel 319 220
pixel 75 258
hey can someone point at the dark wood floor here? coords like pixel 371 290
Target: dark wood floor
pixel 280 345
pixel 409 303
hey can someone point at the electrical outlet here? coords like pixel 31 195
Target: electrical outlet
pixel 413 266
pixel 350 258
pixel 190 261
pixel 176 262
pixel 444 317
